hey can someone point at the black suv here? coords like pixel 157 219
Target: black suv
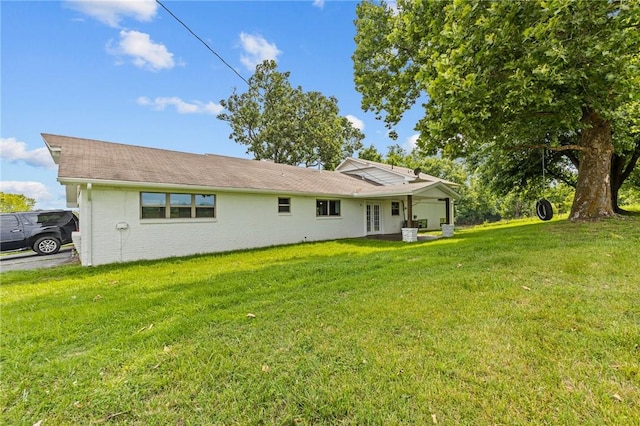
pixel 44 231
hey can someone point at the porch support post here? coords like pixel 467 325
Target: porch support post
pixel 447 206
pixel 409 211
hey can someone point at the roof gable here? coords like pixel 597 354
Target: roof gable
pixel 386 174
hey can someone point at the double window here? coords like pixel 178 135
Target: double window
pixel 327 208
pixel 160 205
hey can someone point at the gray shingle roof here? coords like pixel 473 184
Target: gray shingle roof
pixel 87 160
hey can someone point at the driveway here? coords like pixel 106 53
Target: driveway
pixel 29 260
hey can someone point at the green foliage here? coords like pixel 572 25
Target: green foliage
pixel 397 156
pixel 477 204
pixel 286 124
pixel 518 324
pixel 630 191
pixel 493 75
pixel 371 154
pixel 15 203
pixel 444 168
pixel 496 69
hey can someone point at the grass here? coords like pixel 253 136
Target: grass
pixel 517 323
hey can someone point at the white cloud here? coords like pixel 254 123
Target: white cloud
pixel 143 51
pixel 182 107
pixel 318 3
pixel 111 12
pixel 256 49
pixel 355 122
pixel 411 143
pixel 36 190
pixel 14 151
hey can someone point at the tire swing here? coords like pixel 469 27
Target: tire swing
pixel 544 210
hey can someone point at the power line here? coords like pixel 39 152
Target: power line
pixel 201 41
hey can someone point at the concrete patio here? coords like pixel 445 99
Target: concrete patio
pixel 398 237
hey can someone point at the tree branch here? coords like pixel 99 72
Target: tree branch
pixel 632 162
pixel 573 158
pixel 551 148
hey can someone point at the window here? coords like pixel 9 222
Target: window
pixel 327 207
pixel 46 219
pixel 9 221
pixel 205 205
pixel 154 205
pixel 395 208
pixel 180 205
pixel 284 205
pixel 160 205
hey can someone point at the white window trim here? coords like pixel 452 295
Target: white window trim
pixel 328 216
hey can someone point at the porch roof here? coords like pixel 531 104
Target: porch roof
pixel 422 190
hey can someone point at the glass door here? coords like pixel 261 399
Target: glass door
pixel 373 218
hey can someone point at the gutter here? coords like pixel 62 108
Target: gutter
pixel 186 187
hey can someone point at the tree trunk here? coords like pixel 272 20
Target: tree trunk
pixel 621 168
pixel 617 167
pixel 593 190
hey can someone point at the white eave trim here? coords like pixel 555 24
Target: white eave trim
pixel 184 187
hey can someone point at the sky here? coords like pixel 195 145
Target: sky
pixel 126 71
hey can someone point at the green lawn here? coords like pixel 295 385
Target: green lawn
pixel 521 323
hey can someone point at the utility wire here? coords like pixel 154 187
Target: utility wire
pixel 202 41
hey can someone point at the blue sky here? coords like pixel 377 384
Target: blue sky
pixel 126 71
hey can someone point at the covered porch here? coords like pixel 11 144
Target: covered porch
pixel 423 206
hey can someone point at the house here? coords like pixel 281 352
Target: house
pixel 426 209
pixel 145 203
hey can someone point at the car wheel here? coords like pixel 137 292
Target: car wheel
pixel 46 245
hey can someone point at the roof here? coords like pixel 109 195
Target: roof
pixel 86 160
pixel 91 161
pixel 404 172
pixel 416 189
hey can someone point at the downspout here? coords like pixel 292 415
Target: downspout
pixel 452 212
pixel 89 241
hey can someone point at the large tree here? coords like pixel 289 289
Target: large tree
pixel 505 75
pixel 523 170
pixel 288 125
pixel 15 203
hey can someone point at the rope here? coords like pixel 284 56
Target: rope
pixel 544 181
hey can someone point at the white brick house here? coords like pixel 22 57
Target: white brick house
pixel 145 203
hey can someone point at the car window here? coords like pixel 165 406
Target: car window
pixel 30 218
pixel 49 218
pixel 44 218
pixel 9 221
